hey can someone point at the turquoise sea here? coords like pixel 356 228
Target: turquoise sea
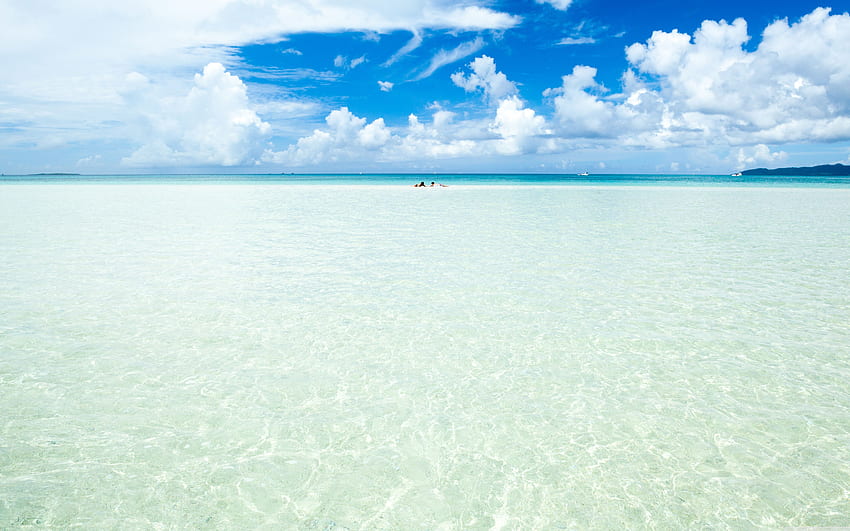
pixel 349 352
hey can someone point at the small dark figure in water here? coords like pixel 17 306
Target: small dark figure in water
pixel 433 184
pixel 421 184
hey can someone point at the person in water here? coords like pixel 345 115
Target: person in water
pixel 433 184
pixel 421 184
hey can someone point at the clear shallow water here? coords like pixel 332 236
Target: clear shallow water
pixel 380 357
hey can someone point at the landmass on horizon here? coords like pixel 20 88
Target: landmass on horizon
pixel 824 170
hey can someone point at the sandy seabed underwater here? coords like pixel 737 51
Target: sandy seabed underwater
pixel 329 356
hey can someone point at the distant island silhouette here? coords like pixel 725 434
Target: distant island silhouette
pixel 824 170
pixel 49 174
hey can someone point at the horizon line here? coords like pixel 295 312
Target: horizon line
pixel 354 174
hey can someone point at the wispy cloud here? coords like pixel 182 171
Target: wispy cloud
pixel 386 86
pixel 289 74
pixel 81 44
pixel 576 40
pixel 342 61
pixel 560 5
pixel 291 51
pixel 470 17
pixel 411 45
pixel 445 57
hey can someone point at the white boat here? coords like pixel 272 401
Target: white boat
pixel 583 174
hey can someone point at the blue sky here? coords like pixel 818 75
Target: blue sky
pixel 272 86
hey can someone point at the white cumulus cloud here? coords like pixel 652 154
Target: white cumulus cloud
pixel 484 76
pixel 706 90
pixel 580 111
pixel 792 87
pixel 442 138
pixel 347 136
pixel 212 124
pixel 520 128
pixel 374 135
pixel 67 65
pixel 758 154
pixel 129 78
pixel 709 90
pixel 511 129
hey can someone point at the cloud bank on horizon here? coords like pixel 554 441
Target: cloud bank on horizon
pixel 413 85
